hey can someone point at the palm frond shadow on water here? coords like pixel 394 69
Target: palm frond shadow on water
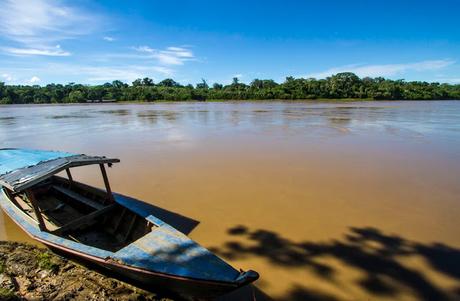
pixel 368 250
pixel 374 253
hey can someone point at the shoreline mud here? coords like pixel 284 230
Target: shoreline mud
pixel 29 272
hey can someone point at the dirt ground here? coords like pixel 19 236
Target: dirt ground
pixel 31 273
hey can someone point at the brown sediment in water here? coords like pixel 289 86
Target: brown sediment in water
pixel 326 201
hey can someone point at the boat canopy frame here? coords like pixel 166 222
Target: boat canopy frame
pixel 22 178
pixel 22 175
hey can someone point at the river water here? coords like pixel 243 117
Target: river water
pixel 327 201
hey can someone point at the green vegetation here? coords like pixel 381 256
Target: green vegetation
pixel 46 261
pixel 6 294
pixel 2 267
pixel 340 86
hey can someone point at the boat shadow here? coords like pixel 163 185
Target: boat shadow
pixel 246 293
pixel 180 222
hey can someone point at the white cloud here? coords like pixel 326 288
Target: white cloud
pixel 65 72
pixel 95 74
pixel 124 73
pixel 38 23
pixel 108 39
pixel 145 49
pixel 7 77
pixel 34 80
pixel 239 75
pixel 179 52
pixel 56 51
pixel 163 70
pixel 170 56
pixel 384 70
pixel 450 80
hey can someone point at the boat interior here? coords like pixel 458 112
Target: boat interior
pixel 81 213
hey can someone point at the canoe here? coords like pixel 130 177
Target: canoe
pixel 107 228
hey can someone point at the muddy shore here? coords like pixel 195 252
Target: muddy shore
pixel 31 273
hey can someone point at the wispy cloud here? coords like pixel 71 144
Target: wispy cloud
pixel 81 73
pixel 38 24
pixel 384 70
pixel 123 73
pixel 450 80
pixel 7 77
pixel 169 56
pixel 45 51
pixel 109 39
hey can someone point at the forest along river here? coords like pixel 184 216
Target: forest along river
pixel 352 201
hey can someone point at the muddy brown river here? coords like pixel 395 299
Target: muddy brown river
pixel 327 201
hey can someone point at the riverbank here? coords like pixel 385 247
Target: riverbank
pixel 333 100
pixel 227 101
pixel 341 86
pixel 31 273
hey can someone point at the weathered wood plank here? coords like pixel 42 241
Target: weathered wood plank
pixel 78 197
pixel 107 184
pixel 69 175
pixel 37 211
pixel 130 228
pixel 87 219
pixel 118 223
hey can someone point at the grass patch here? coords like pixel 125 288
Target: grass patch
pixel 47 262
pixel 6 294
pixel 2 267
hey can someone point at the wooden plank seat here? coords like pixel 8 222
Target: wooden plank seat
pixel 78 197
pixel 84 221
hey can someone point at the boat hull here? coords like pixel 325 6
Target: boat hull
pixel 186 288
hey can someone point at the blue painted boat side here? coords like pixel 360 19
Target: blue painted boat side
pixel 140 208
pixel 169 251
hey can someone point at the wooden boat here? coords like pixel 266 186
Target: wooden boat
pixel 107 228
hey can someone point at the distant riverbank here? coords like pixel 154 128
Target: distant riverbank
pixel 230 101
pixel 344 86
pixel 31 273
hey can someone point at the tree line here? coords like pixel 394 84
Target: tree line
pixel 344 85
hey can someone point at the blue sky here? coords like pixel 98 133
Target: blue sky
pixel 92 42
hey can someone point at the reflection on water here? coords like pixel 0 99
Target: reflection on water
pixel 328 201
pixel 120 112
pixel 68 116
pixel 7 120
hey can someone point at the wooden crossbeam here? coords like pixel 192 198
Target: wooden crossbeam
pixel 78 197
pixel 118 223
pixel 130 228
pixel 84 220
